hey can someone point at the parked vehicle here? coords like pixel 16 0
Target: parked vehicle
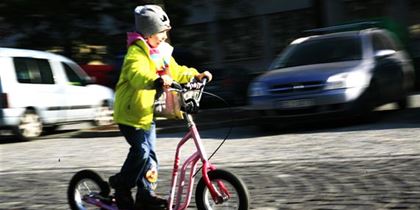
pixel 103 74
pixel 41 90
pixel 346 72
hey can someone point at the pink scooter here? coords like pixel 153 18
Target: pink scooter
pixel 216 189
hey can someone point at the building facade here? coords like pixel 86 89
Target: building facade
pixel 250 34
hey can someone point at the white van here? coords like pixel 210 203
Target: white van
pixel 41 90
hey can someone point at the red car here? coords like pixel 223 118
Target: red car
pixel 103 73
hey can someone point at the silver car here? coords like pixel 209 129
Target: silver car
pixel 344 72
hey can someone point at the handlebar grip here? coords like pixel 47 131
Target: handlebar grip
pixel 204 80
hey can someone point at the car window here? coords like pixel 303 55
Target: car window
pixel 377 43
pixel 32 70
pixel 72 75
pixel 317 51
pixel 382 42
pixel 389 42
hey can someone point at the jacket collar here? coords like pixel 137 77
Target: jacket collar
pixel 135 38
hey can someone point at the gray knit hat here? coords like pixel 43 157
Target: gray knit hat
pixel 150 19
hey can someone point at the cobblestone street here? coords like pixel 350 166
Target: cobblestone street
pixel 357 166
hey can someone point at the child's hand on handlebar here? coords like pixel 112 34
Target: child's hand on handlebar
pixel 167 80
pixel 163 81
pixel 205 74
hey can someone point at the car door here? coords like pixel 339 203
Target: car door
pixel 388 69
pixel 79 98
pixel 36 87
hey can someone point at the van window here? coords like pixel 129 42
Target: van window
pixel 33 70
pixel 72 75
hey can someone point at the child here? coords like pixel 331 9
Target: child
pixel 147 65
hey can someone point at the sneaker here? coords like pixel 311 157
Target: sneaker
pixel 122 195
pixel 152 202
pixel 113 182
pixel 124 199
pixel 149 207
pixel 144 206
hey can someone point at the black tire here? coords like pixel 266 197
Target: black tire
pixel 84 183
pixel 103 115
pixel 372 98
pixel 239 193
pixel 403 103
pixel 30 126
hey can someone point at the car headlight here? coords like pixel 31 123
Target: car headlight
pixel 257 89
pixel 357 79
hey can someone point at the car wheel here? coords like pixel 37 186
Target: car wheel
pixel 103 115
pixel 30 126
pixel 403 103
pixel 363 109
pixel 370 99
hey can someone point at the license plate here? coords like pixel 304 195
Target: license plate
pixel 299 103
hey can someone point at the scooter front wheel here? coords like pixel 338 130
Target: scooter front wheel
pixel 83 185
pixel 229 186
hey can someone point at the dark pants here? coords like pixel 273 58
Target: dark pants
pixel 140 159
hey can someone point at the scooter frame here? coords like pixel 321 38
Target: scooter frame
pixel 179 172
pixel 192 161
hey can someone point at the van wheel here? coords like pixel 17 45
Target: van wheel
pixel 30 126
pixel 403 103
pixel 103 115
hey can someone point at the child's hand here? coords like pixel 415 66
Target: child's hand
pixel 205 74
pixel 167 80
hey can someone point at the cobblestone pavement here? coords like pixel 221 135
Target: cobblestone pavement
pixel 355 166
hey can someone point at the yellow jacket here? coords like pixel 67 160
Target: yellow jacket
pixel 134 95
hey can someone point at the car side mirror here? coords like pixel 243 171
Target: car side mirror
pixel 384 53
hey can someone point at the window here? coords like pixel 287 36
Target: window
pixel 382 42
pixel 72 75
pixel 377 43
pixel 239 45
pixel 45 70
pixel 317 51
pixel 34 71
pixel 389 42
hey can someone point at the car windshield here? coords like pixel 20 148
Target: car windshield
pixel 317 51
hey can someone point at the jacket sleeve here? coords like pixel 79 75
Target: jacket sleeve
pixel 181 74
pixel 137 68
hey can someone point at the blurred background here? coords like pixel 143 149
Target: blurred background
pixel 236 39
pixel 328 166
